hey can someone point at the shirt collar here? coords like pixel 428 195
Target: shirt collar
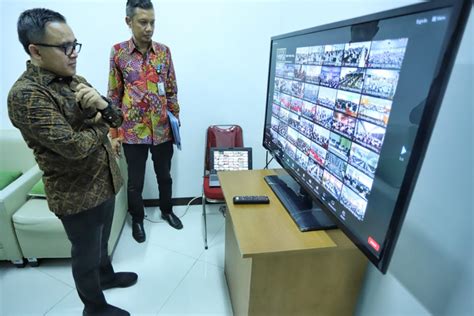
pixel 44 76
pixel 132 46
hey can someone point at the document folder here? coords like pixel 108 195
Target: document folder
pixel 175 129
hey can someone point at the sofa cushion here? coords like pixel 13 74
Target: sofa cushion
pixel 35 215
pixel 40 233
pixel 7 177
pixel 38 190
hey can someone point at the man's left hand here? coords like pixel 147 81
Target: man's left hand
pixel 89 97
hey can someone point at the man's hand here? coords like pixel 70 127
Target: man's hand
pixel 116 146
pixel 89 97
pixel 97 118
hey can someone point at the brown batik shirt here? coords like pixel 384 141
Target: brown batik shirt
pixel 73 151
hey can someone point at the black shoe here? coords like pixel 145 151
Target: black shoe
pixel 120 279
pixel 172 219
pixel 108 310
pixel 138 231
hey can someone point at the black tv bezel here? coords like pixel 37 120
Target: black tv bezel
pixel 450 45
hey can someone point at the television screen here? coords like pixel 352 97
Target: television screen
pixel 350 108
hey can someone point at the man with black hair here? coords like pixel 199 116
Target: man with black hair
pixel 142 83
pixel 66 121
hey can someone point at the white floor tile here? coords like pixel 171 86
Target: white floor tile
pixel 60 269
pixel 190 239
pixel 202 292
pixel 215 253
pixel 158 276
pixel 28 291
pixel 176 275
pixel 69 305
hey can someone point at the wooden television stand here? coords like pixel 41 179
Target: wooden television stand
pixel 272 268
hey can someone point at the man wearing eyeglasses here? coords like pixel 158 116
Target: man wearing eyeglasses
pixel 66 121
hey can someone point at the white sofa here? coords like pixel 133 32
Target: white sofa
pixel 34 231
pixel 14 156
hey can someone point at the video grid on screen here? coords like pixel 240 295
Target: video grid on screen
pixel 231 160
pixel 331 106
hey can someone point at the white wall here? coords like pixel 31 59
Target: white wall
pixel 220 50
pixel 432 270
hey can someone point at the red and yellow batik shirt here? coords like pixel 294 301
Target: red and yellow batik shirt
pixel 143 86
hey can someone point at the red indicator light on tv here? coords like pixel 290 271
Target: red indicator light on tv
pixel 374 244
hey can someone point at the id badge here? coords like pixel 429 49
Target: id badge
pixel 161 88
pixel 158 68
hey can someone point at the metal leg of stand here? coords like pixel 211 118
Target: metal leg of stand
pixel 205 220
pixel 223 209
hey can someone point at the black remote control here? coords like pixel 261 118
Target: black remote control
pixel 251 199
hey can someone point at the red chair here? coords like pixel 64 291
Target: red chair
pixel 217 136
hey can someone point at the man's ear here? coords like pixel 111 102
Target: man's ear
pixel 128 21
pixel 34 52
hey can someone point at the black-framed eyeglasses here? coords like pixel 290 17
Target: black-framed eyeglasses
pixel 68 48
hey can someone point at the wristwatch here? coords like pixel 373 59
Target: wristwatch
pixel 113 117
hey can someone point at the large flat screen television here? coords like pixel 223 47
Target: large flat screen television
pixel 349 113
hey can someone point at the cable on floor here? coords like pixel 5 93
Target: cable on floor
pixel 179 216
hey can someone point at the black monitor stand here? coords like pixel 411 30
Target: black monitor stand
pixel 302 208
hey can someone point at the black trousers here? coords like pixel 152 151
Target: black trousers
pixel 89 233
pixel 136 156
